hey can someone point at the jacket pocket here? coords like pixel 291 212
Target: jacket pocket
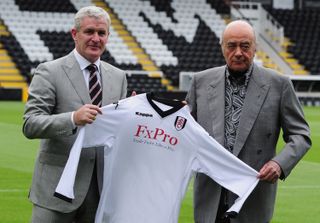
pixel 52 159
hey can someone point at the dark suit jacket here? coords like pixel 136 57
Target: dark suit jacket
pixel 270 105
pixel 57 89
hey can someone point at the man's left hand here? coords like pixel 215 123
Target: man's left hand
pixel 270 172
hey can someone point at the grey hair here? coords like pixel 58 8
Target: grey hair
pixel 91 11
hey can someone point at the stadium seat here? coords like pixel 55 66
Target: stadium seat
pixel 302 27
pixel 178 35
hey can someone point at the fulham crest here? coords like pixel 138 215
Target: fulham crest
pixel 180 123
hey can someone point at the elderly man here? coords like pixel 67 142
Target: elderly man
pixel 244 107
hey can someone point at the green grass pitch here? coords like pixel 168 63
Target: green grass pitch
pixel 297 200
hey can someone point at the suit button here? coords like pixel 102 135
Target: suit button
pixel 268 135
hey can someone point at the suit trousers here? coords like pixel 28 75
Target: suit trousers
pixel 223 207
pixel 84 214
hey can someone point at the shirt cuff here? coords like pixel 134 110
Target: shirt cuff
pixel 72 120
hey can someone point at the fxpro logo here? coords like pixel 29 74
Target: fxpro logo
pixel 157 134
pixel 144 114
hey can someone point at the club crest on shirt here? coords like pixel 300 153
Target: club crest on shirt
pixel 180 123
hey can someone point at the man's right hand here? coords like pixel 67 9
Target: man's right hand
pixel 86 114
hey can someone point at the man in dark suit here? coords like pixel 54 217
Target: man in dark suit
pixel 59 101
pixel 244 106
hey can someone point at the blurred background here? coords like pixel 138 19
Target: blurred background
pixel 161 43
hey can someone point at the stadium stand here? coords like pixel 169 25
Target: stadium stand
pixel 155 41
pixel 184 38
pixel 302 27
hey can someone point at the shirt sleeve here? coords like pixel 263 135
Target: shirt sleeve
pixel 224 168
pixel 105 126
pixel 64 189
pixel 100 133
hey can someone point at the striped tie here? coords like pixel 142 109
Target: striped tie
pixel 94 86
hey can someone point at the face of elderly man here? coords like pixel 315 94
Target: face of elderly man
pixel 238 46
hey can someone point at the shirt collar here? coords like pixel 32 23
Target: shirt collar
pixel 83 62
pixel 247 75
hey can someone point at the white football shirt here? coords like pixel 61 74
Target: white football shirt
pixel 152 147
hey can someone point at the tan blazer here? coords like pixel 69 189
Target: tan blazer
pixel 57 89
pixel 270 105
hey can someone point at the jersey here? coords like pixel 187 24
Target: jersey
pixel 152 147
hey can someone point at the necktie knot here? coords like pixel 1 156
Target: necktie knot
pixel 92 68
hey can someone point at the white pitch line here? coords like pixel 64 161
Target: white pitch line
pixel 12 190
pixel 301 187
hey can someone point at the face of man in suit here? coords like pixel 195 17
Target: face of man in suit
pixel 238 46
pixel 91 39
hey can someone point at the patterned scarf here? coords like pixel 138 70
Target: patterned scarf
pixel 235 92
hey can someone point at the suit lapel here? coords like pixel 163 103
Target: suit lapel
pixel 74 73
pixel 255 96
pixel 106 85
pixel 216 100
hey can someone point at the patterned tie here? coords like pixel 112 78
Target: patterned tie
pixel 94 86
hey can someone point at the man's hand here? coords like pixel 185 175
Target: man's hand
pixel 134 93
pixel 270 172
pixel 86 114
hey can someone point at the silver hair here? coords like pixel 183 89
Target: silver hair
pixel 91 11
